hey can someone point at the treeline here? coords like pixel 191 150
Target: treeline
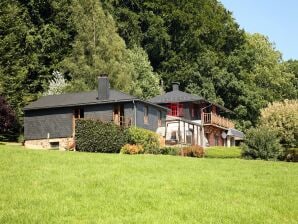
pixel 143 45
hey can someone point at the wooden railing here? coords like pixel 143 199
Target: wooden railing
pixel 122 120
pixel 211 118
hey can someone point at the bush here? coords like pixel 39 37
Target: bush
pixel 169 150
pixel 291 155
pixel 21 139
pixel 96 136
pixel 148 139
pixel 132 149
pixel 283 117
pixel 223 152
pixel 192 151
pixel 261 143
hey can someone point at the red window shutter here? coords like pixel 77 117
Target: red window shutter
pixel 180 110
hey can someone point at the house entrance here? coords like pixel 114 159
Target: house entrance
pixel 118 114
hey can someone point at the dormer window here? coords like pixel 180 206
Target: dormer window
pixel 176 109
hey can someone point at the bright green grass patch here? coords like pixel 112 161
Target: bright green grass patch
pixel 223 152
pixel 71 187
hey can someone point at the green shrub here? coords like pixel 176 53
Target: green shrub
pixel 223 152
pixel 132 149
pixel 96 136
pixel 169 150
pixel 192 151
pixel 148 139
pixel 21 139
pixel 291 155
pixel 283 117
pixel 261 143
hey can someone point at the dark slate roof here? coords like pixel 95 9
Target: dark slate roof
pixel 236 133
pixel 75 99
pixel 175 96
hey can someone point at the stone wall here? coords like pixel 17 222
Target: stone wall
pixel 64 143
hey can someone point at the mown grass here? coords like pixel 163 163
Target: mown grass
pixel 223 152
pixel 70 187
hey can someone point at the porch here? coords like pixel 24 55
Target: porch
pixel 214 119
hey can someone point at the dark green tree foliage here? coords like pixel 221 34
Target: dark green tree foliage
pixel 34 37
pixel 96 136
pixel 198 43
pixel 8 120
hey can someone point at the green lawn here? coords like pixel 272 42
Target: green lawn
pixel 223 152
pixel 69 187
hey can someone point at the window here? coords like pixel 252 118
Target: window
pixel 79 113
pixel 192 110
pixel 216 140
pixel 146 115
pixel 54 145
pixel 176 109
pixel 159 122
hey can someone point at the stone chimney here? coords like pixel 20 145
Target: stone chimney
pixel 175 86
pixel 103 87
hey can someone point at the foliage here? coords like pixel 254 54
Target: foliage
pixel 132 149
pixel 199 44
pixel 34 38
pixel 8 120
pixel 261 143
pixel 57 85
pixel 148 139
pixel 97 48
pixel 291 155
pixel 96 136
pixel 192 151
pixel 168 150
pixel 222 152
pixel 21 139
pixel 283 117
pixel 145 83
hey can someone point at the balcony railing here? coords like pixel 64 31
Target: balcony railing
pixel 211 118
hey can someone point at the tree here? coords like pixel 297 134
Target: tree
pixel 34 37
pixel 145 83
pixel 283 117
pixel 8 120
pixel 57 85
pixel 97 48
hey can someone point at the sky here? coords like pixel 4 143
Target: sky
pixel 276 19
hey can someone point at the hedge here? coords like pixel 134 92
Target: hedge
pixel 96 136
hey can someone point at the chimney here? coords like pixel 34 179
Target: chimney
pixel 103 87
pixel 175 86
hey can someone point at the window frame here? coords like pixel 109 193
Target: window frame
pixel 146 114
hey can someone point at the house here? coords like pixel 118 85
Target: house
pixel 192 119
pixel 49 122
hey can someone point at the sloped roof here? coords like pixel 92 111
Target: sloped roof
pixel 175 96
pixel 76 99
pixel 178 96
pixel 236 133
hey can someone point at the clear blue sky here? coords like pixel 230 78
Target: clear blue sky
pixel 277 19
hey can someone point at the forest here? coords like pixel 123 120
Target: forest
pixel 56 46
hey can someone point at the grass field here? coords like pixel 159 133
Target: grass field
pixel 223 152
pixel 70 187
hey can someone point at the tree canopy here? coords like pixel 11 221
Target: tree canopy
pixel 140 44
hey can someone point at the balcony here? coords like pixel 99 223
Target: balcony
pixel 214 119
